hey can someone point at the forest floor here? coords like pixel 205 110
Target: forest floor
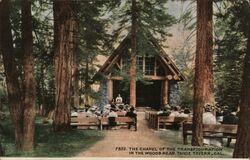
pixel 147 142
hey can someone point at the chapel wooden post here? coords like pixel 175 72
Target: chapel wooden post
pixel 165 92
pixel 110 90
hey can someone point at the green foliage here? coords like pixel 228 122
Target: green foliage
pixel 42 47
pixel 50 144
pixel 43 53
pixel 183 55
pixel 91 40
pixel 151 16
pixel 152 19
pixel 231 32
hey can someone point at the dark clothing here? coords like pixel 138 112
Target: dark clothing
pixel 164 113
pixel 230 119
pixel 131 114
pixel 134 116
pixel 112 121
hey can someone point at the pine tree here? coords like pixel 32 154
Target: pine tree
pixel 43 55
pixel 29 87
pixel 13 86
pixel 203 80
pixel 231 34
pixel 140 17
pixel 91 40
pixel 242 148
pixel 63 51
pixel 21 102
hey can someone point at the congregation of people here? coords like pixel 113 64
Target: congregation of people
pixel 115 109
pixel 175 111
pixel 214 115
pixel 211 114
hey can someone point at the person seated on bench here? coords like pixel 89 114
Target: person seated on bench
pixel 219 115
pixel 86 107
pixel 175 112
pixel 74 112
pixel 111 118
pixel 106 110
pixel 209 118
pixel 118 100
pixel 91 112
pixel 131 113
pixel 230 118
pixel 165 110
pixel 185 113
pixel 121 112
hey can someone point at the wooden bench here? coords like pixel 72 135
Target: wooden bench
pixel 211 131
pixel 155 121
pixel 120 121
pixel 170 120
pixel 84 121
pixel 152 119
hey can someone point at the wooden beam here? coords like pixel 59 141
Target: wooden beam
pixel 155 77
pixel 118 65
pixel 169 66
pixel 143 64
pixel 165 89
pixel 121 63
pixel 155 67
pixel 176 77
pixel 110 90
pixel 112 62
pixel 161 63
pixel 119 78
pixel 169 77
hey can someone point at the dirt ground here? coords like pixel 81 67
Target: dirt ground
pixel 126 140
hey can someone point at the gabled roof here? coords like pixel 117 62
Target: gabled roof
pixel 162 56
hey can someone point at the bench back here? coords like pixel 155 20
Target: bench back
pixel 214 128
pixel 84 120
pixel 118 119
pixel 124 119
pixel 172 119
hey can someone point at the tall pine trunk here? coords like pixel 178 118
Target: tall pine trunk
pixel 63 40
pixel 242 147
pixel 75 74
pixel 42 90
pixel 203 81
pixel 11 73
pixel 75 80
pixel 1 148
pixel 133 56
pixel 29 87
pixel 86 82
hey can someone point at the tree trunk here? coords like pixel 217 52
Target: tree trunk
pixel 43 104
pixel 11 73
pixel 1 151
pixel 86 81
pixel 75 74
pixel 242 147
pixel 29 80
pixel 133 56
pixel 63 40
pixel 75 79
pixel 203 81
